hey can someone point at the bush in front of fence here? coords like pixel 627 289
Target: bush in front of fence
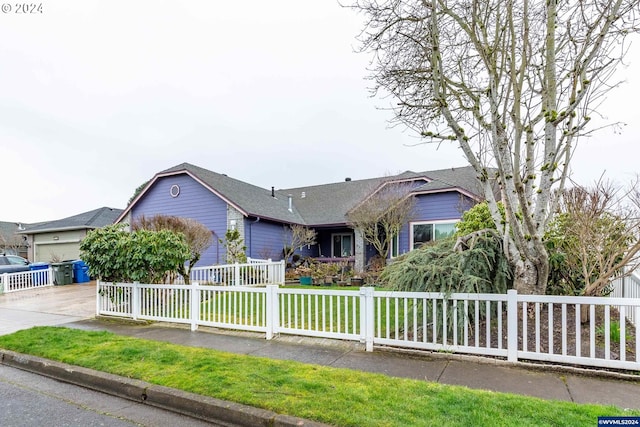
pixel 115 255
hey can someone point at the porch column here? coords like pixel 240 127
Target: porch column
pixel 359 251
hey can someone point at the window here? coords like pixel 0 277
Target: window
pixel 342 245
pixel 395 246
pixel 16 260
pixel 423 232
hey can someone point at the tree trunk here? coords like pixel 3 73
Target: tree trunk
pixel 585 314
pixel 531 277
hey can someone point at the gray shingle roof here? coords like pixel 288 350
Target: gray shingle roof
pixel 320 204
pixel 253 200
pixel 328 204
pixel 8 229
pixel 88 220
pixel 464 178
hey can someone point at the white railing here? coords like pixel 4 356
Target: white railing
pixel 25 280
pixel 255 273
pixel 466 323
pixel 319 313
pixel 627 287
pixel 590 331
pixel 258 261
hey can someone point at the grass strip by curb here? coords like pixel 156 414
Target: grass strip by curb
pixel 335 396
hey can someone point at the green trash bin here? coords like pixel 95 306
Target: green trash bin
pixel 62 273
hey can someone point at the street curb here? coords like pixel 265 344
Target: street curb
pixel 190 404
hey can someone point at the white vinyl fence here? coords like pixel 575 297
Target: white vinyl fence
pixel 25 280
pixel 590 331
pixel 254 272
pixel 627 287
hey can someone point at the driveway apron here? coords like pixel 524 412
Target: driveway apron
pixel 48 306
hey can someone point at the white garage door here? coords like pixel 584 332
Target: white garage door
pixel 57 251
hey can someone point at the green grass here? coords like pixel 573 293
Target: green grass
pixel 336 396
pixel 614 332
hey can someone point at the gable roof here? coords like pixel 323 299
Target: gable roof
pixel 88 220
pixel 249 199
pixel 463 179
pixel 329 204
pixel 318 205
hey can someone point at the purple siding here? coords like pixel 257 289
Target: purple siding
pixel 195 202
pixel 435 207
pixel 438 206
pixel 369 252
pixel 403 244
pixel 311 251
pixel 264 239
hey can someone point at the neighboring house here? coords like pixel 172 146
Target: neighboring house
pixel 60 240
pixel 262 216
pixel 12 243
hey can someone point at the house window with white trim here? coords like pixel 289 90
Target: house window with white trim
pixel 395 246
pixel 342 245
pixel 423 232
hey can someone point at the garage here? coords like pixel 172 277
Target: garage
pixel 54 252
pixel 60 240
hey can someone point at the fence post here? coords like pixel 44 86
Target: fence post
pixel 236 270
pixel 367 318
pixel 283 270
pixel 512 325
pixel 194 312
pixel 135 300
pixel 97 297
pixel 4 279
pixel 272 310
pixel 50 276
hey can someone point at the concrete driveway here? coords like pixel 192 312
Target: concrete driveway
pixel 50 306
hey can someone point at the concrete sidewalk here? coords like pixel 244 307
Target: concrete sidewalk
pixel 546 382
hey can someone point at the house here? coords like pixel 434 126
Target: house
pixel 60 240
pixel 10 241
pixel 263 216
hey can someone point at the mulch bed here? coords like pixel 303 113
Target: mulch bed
pixel 571 333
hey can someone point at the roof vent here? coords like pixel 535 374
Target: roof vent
pixel 290 203
pixel 303 194
pixel 347 179
pixel 273 192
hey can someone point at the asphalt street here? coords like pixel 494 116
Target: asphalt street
pixel 28 399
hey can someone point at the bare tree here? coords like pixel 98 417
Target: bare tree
pixel 513 83
pixel 381 216
pixel 295 237
pixel 13 242
pixel 197 235
pixel 598 233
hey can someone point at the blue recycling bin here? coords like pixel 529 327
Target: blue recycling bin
pixel 39 279
pixel 80 272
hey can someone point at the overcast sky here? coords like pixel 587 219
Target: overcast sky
pixel 98 96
